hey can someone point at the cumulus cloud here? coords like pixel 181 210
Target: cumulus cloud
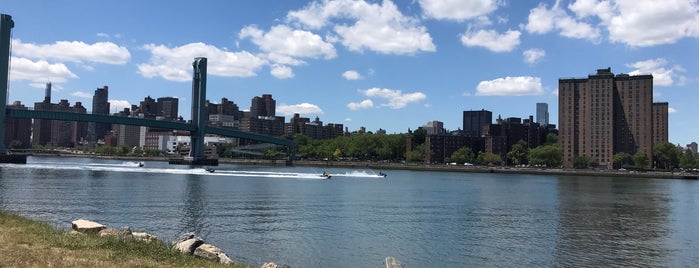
pixel 491 40
pixel 638 23
pixel 286 45
pixel 175 63
pixel 365 104
pixel 82 95
pixel 281 71
pixel 534 55
pixel 302 109
pixel 663 75
pixel 458 10
pixel 39 72
pixel 361 25
pixel 395 98
pixel 352 75
pixel 671 110
pixel 510 86
pixel 73 51
pixel 119 105
pixel 543 20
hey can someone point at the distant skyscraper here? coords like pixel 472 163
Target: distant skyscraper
pixel 475 120
pixel 148 107
pixel 604 114
pixel 100 105
pixel 263 106
pixel 168 108
pixel 542 114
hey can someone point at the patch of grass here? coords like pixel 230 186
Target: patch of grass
pixel 29 243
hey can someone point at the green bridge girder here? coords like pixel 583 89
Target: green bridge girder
pixel 98 118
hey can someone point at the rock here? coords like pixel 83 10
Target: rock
pixel 144 236
pixel 187 243
pixel 123 233
pixel 211 252
pixel 269 265
pixel 85 226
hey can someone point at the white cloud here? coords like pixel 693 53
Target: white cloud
pixel 458 10
pixel 302 109
pixel 39 72
pixel 510 86
pixel 534 55
pixel 648 22
pixel 662 74
pixel 377 27
pixel 75 51
pixel 348 119
pixel 365 104
pixel 80 94
pixel 542 20
pixel 638 23
pixel 175 64
pixel 396 99
pixel 118 105
pixel 286 45
pixel 671 110
pixel 352 75
pixel 491 40
pixel 281 71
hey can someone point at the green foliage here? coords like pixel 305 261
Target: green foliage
pixel 641 160
pixel 462 155
pixel 666 155
pixel 15 144
pixel 359 147
pixel 123 150
pixel 547 155
pixel 417 155
pixel 582 161
pixel 551 139
pixel 487 158
pixel 419 137
pixel 518 153
pixel 689 160
pixel 621 159
pixel 105 150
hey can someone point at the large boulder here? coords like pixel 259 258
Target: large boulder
pixel 85 226
pixel 142 236
pixel 211 252
pixel 123 233
pixel 187 243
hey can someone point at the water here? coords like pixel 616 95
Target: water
pixel 425 219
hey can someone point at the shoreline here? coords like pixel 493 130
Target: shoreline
pixel 426 167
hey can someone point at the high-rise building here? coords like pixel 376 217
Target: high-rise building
pixel 604 114
pixel 100 105
pixel 41 131
pixel 474 122
pixel 263 106
pixel 148 108
pixel 542 114
pixel 18 129
pixel 660 122
pixel 168 108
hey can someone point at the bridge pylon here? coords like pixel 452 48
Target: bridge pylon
pixel 6 25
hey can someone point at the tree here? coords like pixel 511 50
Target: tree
pixel 689 160
pixel 337 153
pixel 416 155
pixel 551 139
pixel 15 144
pixel 621 159
pixel 419 136
pixel 666 155
pixel 547 155
pixel 518 153
pixel 462 155
pixel 640 159
pixel 582 161
pixel 487 158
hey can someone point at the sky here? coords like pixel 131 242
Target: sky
pixel 392 65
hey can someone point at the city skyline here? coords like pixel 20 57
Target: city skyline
pixel 326 58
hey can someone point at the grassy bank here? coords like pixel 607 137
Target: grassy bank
pixel 29 243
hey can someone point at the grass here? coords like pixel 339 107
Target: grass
pixel 29 243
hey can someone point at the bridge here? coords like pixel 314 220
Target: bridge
pixel 197 128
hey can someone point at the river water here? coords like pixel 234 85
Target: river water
pixel 289 215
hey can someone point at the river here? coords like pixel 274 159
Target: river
pixel 290 215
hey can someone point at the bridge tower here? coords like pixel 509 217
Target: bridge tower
pixel 6 25
pixel 196 151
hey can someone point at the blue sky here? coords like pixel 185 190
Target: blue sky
pixel 378 64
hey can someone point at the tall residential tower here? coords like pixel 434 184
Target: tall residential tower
pixel 604 114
